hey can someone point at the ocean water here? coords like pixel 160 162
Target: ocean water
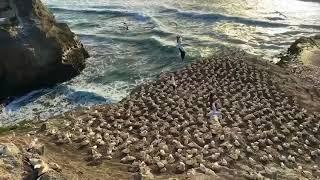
pixel 122 59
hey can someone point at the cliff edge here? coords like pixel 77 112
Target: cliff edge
pixel 305 50
pixel 35 50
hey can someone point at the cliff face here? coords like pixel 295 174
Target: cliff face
pixel 305 50
pixel 302 59
pixel 35 50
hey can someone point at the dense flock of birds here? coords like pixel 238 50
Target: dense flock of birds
pixel 165 126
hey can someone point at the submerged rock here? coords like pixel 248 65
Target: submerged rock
pixel 35 49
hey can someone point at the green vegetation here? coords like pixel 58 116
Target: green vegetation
pixel 5 28
pixel 19 127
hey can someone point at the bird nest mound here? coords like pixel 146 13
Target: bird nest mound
pixel 167 129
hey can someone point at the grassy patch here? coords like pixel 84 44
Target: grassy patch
pixel 19 127
pixel 5 27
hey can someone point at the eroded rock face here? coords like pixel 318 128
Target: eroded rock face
pixel 35 50
pixel 19 161
pixel 305 50
pixel 302 59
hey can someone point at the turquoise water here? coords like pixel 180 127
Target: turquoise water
pixel 121 59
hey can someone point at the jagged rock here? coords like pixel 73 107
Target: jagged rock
pixel 303 58
pixel 35 49
pixel 9 149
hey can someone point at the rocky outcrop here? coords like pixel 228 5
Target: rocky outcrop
pixel 35 50
pixel 305 50
pixel 302 60
pixel 23 163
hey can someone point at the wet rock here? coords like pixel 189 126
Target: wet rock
pixel 35 50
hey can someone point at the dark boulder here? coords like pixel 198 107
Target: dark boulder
pixel 35 50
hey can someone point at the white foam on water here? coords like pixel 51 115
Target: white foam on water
pixel 45 103
pixel 163 42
